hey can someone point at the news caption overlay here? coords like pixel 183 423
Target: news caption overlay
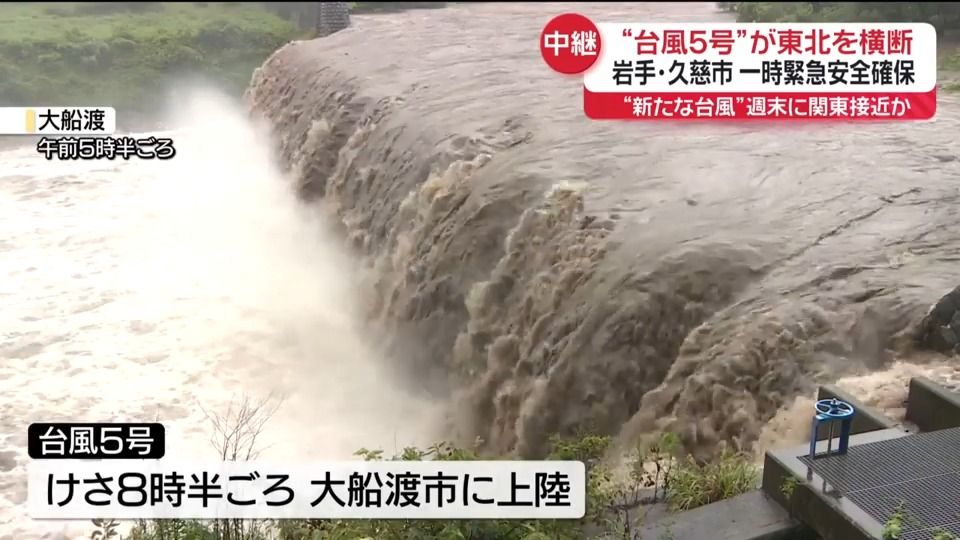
pixel 81 133
pixel 95 441
pixel 747 71
pixel 92 479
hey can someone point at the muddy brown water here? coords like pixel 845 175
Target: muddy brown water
pixel 620 277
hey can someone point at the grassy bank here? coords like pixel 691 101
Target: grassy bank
pixel 614 506
pixel 127 54
pixel 657 472
pixel 945 16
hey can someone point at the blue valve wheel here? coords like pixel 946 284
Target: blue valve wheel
pixel 834 408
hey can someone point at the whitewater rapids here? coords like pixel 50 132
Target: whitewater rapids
pixel 169 291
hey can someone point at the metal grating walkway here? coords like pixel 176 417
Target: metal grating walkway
pixel 920 472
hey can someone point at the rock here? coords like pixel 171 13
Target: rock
pixel 940 329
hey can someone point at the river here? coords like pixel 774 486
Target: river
pixel 621 276
pixel 499 261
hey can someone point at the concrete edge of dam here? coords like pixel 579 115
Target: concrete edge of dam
pixel 840 502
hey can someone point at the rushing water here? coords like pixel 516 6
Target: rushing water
pixel 137 291
pixel 617 276
pixel 543 271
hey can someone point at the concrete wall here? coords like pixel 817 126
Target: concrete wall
pixel 931 406
pixel 332 17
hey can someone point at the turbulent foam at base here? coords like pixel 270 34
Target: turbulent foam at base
pixel 143 291
pixel 553 273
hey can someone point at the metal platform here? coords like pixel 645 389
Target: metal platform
pixel 918 473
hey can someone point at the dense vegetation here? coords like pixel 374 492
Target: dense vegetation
pixel 614 507
pixel 945 16
pixel 656 472
pixel 126 54
pixel 129 55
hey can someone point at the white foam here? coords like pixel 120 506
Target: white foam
pixel 142 290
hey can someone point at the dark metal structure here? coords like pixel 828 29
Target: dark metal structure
pixel 917 475
pixel 901 477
